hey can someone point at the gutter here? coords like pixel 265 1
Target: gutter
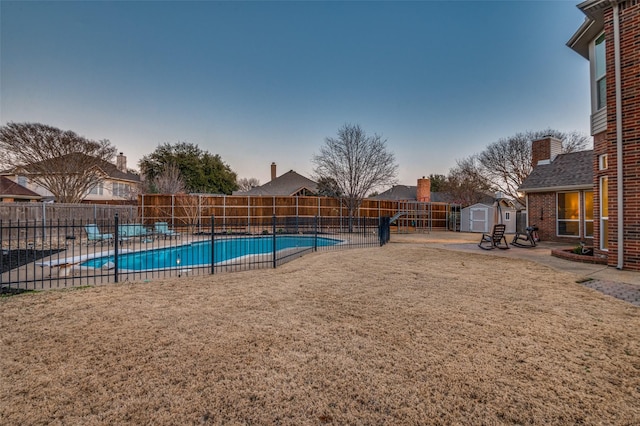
pixel 619 171
pixel 557 188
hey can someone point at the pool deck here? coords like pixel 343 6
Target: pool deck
pixel 621 284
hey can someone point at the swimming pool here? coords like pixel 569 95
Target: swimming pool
pixel 198 254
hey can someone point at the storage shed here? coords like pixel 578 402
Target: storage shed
pixel 481 217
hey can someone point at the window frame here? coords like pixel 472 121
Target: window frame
pixel 97 189
pixel 585 221
pixel 603 162
pixel 604 220
pixel 599 80
pixel 578 220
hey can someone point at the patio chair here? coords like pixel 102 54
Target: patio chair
pixel 494 240
pixel 162 229
pixel 95 236
pixel 134 230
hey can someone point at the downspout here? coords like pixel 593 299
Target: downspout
pixel 619 177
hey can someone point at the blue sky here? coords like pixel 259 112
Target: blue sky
pixel 257 82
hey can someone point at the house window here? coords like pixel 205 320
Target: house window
pixel 604 213
pixel 507 215
pixel 568 222
pixel 588 214
pixel 603 162
pixel 600 72
pixel 97 190
pixel 120 190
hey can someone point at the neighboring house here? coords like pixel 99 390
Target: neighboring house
pixel 117 182
pixel 609 40
pixel 290 184
pixel 421 193
pixel 12 192
pixel 559 192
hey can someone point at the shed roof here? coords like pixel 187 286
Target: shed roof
pixel 566 171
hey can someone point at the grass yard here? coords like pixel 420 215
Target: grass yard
pixel 404 334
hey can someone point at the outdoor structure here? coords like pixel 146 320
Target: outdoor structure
pixel 290 184
pixel 11 192
pixel 609 40
pixel 421 193
pixel 117 182
pixel 559 192
pixel 418 208
pixel 481 217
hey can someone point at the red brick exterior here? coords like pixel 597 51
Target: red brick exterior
pixel 542 210
pixel 629 12
pixel 545 149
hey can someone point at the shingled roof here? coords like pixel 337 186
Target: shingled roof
pixel 409 193
pixel 568 171
pixel 288 184
pixel 109 169
pixel 10 189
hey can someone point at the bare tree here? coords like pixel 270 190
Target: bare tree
pixel 465 183
pixel 61 161
pixel 246 184
pixel 506 163
pixel 169 181
pixel 357 163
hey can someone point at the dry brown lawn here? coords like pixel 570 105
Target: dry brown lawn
pixel 404 334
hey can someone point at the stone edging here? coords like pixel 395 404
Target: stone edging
pixel 568 255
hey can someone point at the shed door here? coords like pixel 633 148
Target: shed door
pixel 478 219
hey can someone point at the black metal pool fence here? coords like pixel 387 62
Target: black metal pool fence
pixel 56 254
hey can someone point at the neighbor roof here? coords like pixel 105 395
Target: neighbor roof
pixel 288 184
pixel 568 171
pixel 9 188
pixel 106 167
pixel 408 193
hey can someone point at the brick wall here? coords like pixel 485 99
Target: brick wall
pixel 630 78
pixel 423 192
pixel 545 149
pixel 542 213
pixel 542 208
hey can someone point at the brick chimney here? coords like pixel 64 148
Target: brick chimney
pixel 545 150
pixel 273 171
pixel 121 163
pixel 423 194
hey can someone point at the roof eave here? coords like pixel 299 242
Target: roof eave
pixel 579 42
pixel 591 27
pixel 557 188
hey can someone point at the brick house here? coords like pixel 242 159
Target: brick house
pixel 610 39
pixel 559 192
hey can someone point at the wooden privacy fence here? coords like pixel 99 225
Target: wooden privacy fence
pixel 14 217
pixel 196 210
pixel 26 212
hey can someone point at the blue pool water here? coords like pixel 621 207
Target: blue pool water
pixel 199 253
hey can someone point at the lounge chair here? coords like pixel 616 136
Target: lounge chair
pixel 95 236
pixel 162 229
pixel 494 240
pixel 134 230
